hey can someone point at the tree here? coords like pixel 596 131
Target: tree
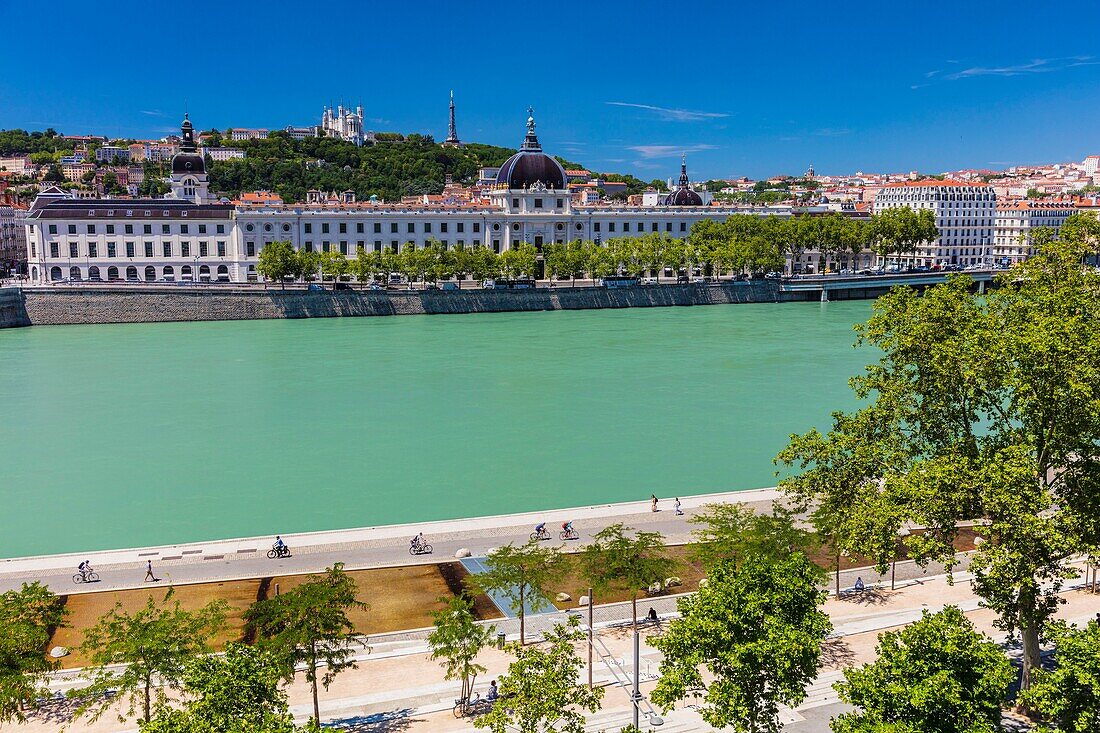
pixel 27 619
pixel 129 650
pixel 306 264
pixel 458 639
pixel 542 688
pixel 614 560
pixel 757 629
pixel 277 262
pixel 735 532
pixel 236 692
pixel 518 260
pixel 334 264
pixel 937 675
pixel 309 625
pixel 979 409
pixel 522 575
pixel 1067 698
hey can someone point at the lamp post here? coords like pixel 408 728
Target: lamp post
pixel 903 532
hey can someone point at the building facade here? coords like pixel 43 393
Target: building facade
pixel 965 215
pixel 13 240
pixel 344 124
pixel 1015 222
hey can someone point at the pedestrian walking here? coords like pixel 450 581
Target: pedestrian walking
pixel 679 512
pixel 653 502
pixel 149 572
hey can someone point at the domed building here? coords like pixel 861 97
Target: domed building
pixel 531 167
pixel 683 195
pixel 188 180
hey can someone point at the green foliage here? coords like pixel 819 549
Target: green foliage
pixel 901 229
pixel 541 690
pixel 309 625
pixel 937 675
pixel 522 575
pixel 735 532
pixel 277 261
pixel 153 643
pixel 457 640
pixel 615 560
pixel 334 266
pixel 27 618
pixel 237 692
pixel 757 629
pixel 980 408
pixel 1067 698
pixel 17 141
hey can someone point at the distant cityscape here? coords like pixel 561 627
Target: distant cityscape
pixel 984 216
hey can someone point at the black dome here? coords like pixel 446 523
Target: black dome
pixel 683 197
pixel 188 163
pixel 530 165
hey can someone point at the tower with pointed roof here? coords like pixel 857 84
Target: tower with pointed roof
pixel 683 195
pixel 188 180
pixel 452 129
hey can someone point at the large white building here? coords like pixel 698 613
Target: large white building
pixel 344 124
pixel 965 215
pixel 1015 222
pixel 188 237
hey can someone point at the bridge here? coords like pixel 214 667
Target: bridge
pixel 858 287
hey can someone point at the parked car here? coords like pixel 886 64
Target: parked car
pixel 648 281
pixel 450 286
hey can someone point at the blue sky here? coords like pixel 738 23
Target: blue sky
pixel 743 88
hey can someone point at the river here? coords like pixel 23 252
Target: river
pixel 129 435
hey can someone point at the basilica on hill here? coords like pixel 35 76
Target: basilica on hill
pixel 190 236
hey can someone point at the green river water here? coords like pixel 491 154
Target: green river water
pixel 129 435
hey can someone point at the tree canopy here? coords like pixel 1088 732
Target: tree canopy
pixel 27 618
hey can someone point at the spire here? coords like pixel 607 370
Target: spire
pixel 452 129
pixel 531 142
pixel 683 170
pixel 188 134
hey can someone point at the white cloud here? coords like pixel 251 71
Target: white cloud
pixel 671 114
pixel 667 151
pixel 1035 66
pixel 152 112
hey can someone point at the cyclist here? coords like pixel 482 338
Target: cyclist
pixel 567 527
pixel 84 568
pixel 540 528
pixel 418 541
pixel 279 544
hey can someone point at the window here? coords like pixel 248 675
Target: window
pixel 324 229
pixel 221 249
pixel 185 249
pixel 393 227
pixel 610 227
pixel 203 249
pixel 596 227
pixel 654 227
pixel 538 203
pixel 250 249
pixel 343 248
pixel 377 227
pixel 378 245
pixel 412 228
pixel 165 229
pixel 221 228
pixel 147 229
pixel 129 249
pixel 309 246
pixel 443 227
pixel 324 246
pixel 250 227
pixel 53 228
pixel 110 249
pixel 358 227
pixel 110 228
pixel 148 249
pixel 167 249
pixel 559 203
pixel 183 229
pixel 202 229
pixel 53 250
pixel 477 226
pixel 73 250
pixel 72 229
pixel 515 203
pixel 343 227
pixel 393 244
pixel 427 227
pixel 641 227
pixel 461 227
pixel 496 246
pixel 308 228
pixel 91 229
pixel 267 228
pixel 93 249
pixel 129 228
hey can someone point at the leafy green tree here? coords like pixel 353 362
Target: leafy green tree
pixel 236 692
pixel 1067 697
pixel 518 260
pixel 334 264
pixel 142 654
pixel 522 575
pixel 757 629
pixel 734 532
pixel 458 640
pixel 615 560
pixel 937 675
pixel 542 689
pixel 27 619
pixel 277 262
pixel 309 625
pixel 979 409
pixel 306 264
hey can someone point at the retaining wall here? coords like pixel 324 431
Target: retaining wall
pixel 13 311
pixel 149 304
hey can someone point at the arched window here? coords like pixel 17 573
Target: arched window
pixel 150 274
pixel 186 274
pixel 55 273
pixel 223 274
pixel 204 273
pixel 74 273
pixel 131 274
pixel 34 273
pixel 112 274
pixel 169 273
pixel 93 273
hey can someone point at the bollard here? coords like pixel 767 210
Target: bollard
pixel 500 640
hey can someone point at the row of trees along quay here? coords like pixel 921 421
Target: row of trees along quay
pixel 742 243
pixel 982 410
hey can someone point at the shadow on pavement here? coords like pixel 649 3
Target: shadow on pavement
pixel 388 722
pixel 835 652
pixel 869 596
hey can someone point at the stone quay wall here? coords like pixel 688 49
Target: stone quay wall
pixel 60 305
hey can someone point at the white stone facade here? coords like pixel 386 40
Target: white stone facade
pixel 1015 222
pixel 965 215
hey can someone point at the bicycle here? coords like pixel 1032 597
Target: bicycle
pixel 278 552
pixel 541 534
pixel 420 549
pixel 86 577
pixel 569 534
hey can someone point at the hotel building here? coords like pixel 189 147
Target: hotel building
pixel 965 217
